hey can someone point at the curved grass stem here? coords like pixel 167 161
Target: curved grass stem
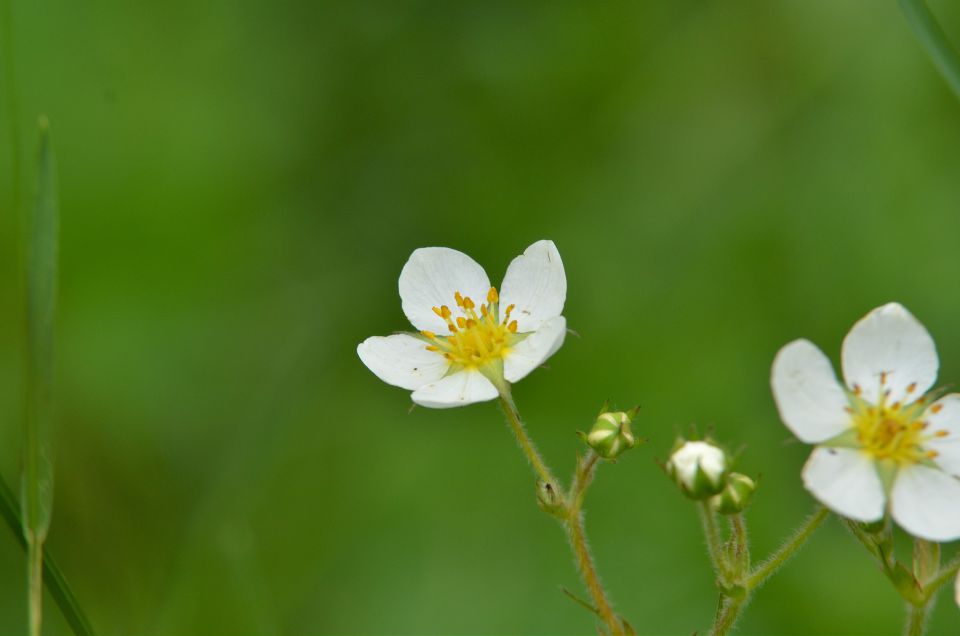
pixel 53 578
pixel 934 40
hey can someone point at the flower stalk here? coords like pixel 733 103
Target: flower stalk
pixel 736 580
pixel 570 511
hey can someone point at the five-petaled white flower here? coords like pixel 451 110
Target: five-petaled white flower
pixel 472 339
pixel 883 443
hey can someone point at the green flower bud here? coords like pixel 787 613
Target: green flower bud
pixel 698 468
pixel 611 434
pixel 735 496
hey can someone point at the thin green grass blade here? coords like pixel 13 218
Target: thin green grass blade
pixel 43 229
pixel 943 55
pixel 53 578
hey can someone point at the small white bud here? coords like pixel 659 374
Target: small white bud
pixel 699 468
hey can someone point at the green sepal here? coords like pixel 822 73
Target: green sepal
pixel 734 591
pixel 550 500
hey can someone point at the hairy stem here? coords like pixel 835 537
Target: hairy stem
pixel 728 615
pixel 714 543
pixel 572 517
pixel 790 547
pixel 934 40
pixel 576 532
pixel 917 619
pixel 520 432
pixel 946 575
pixel 740 556
pixel 588 571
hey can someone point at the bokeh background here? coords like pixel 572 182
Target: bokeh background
pixel 241 183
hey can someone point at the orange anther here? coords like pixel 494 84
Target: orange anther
pixel 912 387
pixel 512 327
pixel 492 295
pixel 936 408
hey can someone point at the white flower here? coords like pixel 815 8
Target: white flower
pixel 699 468
pixel 487 337
pixel 882 442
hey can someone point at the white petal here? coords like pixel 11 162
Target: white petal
pixel 535 349
pixel 809 397
pixel 697 455
pixel 402 360
pixel 890 344
pixel 926 503
pixel 457 389
pixel 944 415
pixel 430 279
pixel 845 480
pixel 536 283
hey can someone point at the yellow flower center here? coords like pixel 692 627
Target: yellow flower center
pixel 893 432
pixel 476 337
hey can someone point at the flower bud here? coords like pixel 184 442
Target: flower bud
pixel 699 468
pixel 735 496
pixel 611 434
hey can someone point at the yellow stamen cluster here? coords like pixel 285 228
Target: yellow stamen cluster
pixel 476 337
pixel 892 432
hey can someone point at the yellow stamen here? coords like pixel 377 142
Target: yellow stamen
pixel 475 339
pixel 892 432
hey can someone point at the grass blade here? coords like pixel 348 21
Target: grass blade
pixel 43 228
pixel 934 40
pixel 53 578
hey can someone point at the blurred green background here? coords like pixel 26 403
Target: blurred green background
pixel 241 183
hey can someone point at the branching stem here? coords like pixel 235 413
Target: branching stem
pixel 571 516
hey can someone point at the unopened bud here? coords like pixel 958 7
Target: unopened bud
pixel 611 434
pixel 735 496
pixel 698 468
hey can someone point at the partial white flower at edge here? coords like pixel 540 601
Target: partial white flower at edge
pixel 882 443
pixel 469 335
